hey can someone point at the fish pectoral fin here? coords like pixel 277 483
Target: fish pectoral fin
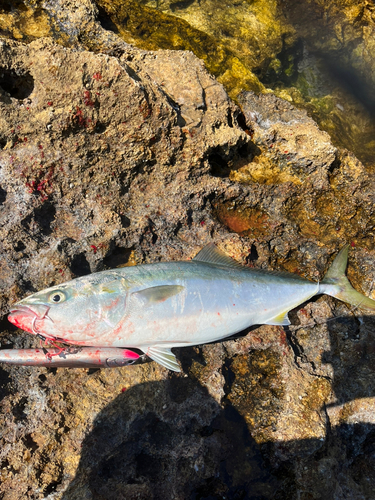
pixel 281 319
pixel 164 357
pixel 156 294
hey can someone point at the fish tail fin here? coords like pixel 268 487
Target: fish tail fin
pixel 336 284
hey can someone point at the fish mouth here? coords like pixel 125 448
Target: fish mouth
pixel 34 312
pixel 38 310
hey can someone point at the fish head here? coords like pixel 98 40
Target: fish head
pixel 80 311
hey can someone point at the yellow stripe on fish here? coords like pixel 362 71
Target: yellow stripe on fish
pixel 155 307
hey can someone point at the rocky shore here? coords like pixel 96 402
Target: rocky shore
pixel 113 155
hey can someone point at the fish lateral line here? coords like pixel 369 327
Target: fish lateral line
pixel 191 298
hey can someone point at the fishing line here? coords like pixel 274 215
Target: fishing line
pixel 352 310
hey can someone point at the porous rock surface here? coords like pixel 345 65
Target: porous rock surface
pixel 137 157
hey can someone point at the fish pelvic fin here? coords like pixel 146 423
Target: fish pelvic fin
pixel 164 356
pixel 336 284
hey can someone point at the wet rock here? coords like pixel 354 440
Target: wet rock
pixel 256 46
pixel 301 185
pixel 237 47
pixel 297 149
pixel 254 32
pixel 104 26
pixel 316 56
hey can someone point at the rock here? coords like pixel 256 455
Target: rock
pixel 294 149
pixel 134 156
pixel 100 165
pixel 237 47
pixel 102 26
pixel 74 207
pixel 255 32
pixel 183 444
pixel 255 46
pixel 316 56
pixel 300 184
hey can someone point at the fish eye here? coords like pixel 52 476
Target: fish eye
pixel 57 297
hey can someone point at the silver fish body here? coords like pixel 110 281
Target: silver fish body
pixel 202 303
pixel 155 307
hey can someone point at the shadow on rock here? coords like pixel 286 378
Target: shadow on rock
pixel 341 467
pixel 352 356
pixel 170 439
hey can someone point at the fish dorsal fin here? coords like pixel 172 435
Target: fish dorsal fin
pixel 212 255
pixel 164 356
pixel 281 319
pixel 156 294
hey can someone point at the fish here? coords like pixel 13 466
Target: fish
pixel 156 307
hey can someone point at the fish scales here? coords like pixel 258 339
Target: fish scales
pixel 155 307
pixel 215 302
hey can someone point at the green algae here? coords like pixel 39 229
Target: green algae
pixel 151 29
pixel 24 21
pixel 255 31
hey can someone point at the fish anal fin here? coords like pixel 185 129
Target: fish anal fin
pixel 156 294
pixel 212 255
pixel 281 319
pixel 164 356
